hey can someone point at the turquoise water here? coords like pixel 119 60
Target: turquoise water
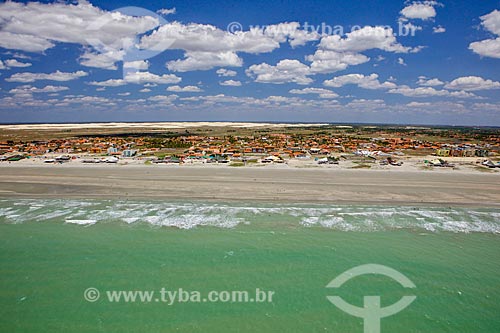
pixel 51 251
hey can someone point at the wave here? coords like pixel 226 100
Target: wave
pixel 187 215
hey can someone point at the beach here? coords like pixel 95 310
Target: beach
pixel 273 183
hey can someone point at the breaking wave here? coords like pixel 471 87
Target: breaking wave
pixel 187 215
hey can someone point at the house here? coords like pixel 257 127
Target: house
pixel 129 153
pixel 443 152
pixel 482 153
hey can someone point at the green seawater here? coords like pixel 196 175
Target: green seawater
pixel 51 251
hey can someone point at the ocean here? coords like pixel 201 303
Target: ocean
pixel 54 252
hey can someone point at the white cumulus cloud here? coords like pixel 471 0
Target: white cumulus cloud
pixel 184 89
pixel 426 82
pixel 139 78
pixel 204 61
pixel 30 89
pixel 80 23
pixel 439 30
pixel 138 64
pixel 56 76
pixel 16 63
pixel 223 72
pixel 231 83
pixel 324 62
pixel 322 93
pixel 472 83
pixel 366 38
pixel 489 47
pixel 166 11
pixel 207 46
pixel 366 82
pixel 285 71
pixel 429 92
pixel 420 10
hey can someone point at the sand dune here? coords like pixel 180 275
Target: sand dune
pixel 172 125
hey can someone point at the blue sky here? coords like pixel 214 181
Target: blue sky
pixel 411 62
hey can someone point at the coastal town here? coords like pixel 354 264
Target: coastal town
pixel 361 146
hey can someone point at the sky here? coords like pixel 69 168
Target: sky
pixel 370 61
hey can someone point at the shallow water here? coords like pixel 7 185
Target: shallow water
pixel 51 251
pixel 187 215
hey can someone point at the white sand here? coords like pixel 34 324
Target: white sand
pixel 274 183
pixel 174 125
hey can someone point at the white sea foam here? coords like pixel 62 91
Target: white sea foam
pixel 82 222
pixel 188 215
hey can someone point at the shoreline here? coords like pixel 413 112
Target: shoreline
pixel 274 185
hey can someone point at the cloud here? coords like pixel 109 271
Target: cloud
pixel 322 93
pixel 366 104
pixel 305 91
pixel 285 71
pixel 418 104
pixel 269 102
pixel 328 96
pixel 163 99
pixel 56 76
pixel 401 61
pixel 420 10
pixel 166 11
pixel 438 30
pixel 489 47
pixel 205 61
pixel 472 83
pixel 207 46
pixel 2 66
pixel 23 42
pixel 426 82
pixel 18 55
pixel 109 83
pixel 366 82
pixel 139 78
pixel 291 31
pixel 29 89
pixel 231 83
pixel 138 64
pixel 324 62
pixel 194 37
pixel 145 90
pixel 418 92
pixel 15 63
pixel 106 60
pixel 491 22
pixel 364 39
pixel 226 72
pixel 184 89
pixel 336 53
pixel 487 106
pixel 81 24
pixel 429 92
pixel 82 99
